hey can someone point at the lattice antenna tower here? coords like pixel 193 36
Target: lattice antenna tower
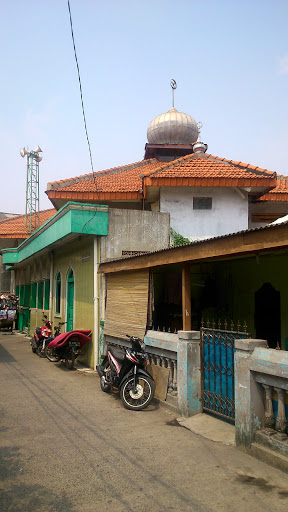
pixel 32 216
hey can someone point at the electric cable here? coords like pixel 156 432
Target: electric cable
pixel 83 110
pixel 80 87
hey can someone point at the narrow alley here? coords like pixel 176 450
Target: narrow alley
pixel 66 446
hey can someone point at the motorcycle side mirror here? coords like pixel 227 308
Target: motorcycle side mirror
pixel 45 316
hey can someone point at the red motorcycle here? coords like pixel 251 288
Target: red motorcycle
pixel 41 334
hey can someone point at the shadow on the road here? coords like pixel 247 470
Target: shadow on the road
pixel 19 496
pixel 115 395
pixel 5 356
pixel 77 433
pixel 9 465
pixel 34 498
pixel 62 366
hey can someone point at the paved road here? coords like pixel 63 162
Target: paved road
pixel 66 446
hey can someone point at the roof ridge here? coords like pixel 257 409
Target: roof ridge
pixel 104 172
pixel 12 218
pixel 243 165
pixel 192 156
pixel 172 163
pixel 20 215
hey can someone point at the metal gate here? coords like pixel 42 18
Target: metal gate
pixel 217 349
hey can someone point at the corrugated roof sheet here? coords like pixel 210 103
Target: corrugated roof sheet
pixel 197 242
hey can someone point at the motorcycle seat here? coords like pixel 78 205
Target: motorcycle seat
pixel 117 352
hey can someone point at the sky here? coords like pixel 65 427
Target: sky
pixel 229 58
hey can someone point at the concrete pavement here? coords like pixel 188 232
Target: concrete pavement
pixel 66 446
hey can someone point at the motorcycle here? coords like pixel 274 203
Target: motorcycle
pixel 40 335
pixel 67 346
pixel 124 369
pixel 41 351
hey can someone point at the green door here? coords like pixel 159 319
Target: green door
pixel 70 300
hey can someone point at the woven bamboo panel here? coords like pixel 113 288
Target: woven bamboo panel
pixel 127 302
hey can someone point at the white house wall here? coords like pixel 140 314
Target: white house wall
pixel 229 211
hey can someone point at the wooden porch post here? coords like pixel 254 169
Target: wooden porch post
pixel 186 297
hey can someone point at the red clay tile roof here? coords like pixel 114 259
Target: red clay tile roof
pixel 15 226
pixel 278 193
pixel 128 177
pixel 124 181
pixel 128 180
pixel 191 170
pixel 210 166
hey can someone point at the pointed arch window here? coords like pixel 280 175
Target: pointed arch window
pixel 58 294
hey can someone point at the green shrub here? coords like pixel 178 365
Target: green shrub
pixel 177 239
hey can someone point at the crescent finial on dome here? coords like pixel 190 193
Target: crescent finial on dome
pixel 172 127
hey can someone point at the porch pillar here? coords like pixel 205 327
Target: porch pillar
pixel 96 303
pixel 249 407
pixel 189 390
pixel 51 286
pixel 186 297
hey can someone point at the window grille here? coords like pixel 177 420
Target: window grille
pixel 202 203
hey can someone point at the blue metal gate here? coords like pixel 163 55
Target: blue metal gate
pixel 217 346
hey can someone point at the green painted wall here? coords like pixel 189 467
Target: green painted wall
pixel 79 256
pixel 36 317
pixel 75 256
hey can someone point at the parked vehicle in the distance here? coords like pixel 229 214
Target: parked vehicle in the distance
pixel 125 370
pixel 40 335
pixel 41 350
pixel 67 346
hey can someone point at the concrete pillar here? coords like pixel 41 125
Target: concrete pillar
pixel 189 389
pixel 249 406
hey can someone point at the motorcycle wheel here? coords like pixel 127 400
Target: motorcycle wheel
pixel 106 388
pixel 70 360
pixel 50 356
pixel 33 343
pixel 143 396
pixel 40 351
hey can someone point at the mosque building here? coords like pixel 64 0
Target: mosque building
pixel 205 195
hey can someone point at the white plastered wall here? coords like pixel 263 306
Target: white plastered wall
pixel 229 211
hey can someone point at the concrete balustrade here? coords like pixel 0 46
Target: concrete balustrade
pixel 261 376
pixel 261 380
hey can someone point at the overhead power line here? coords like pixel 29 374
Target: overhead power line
pixel 80 86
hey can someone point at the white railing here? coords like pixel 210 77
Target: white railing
pixel 166 362
pixel 278 422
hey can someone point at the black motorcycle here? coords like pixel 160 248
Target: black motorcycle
pixel 124 369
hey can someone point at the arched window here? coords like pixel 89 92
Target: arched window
pixel 58 294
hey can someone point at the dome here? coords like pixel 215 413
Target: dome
pixel 173 127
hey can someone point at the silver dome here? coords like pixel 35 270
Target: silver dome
pixel 173 127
